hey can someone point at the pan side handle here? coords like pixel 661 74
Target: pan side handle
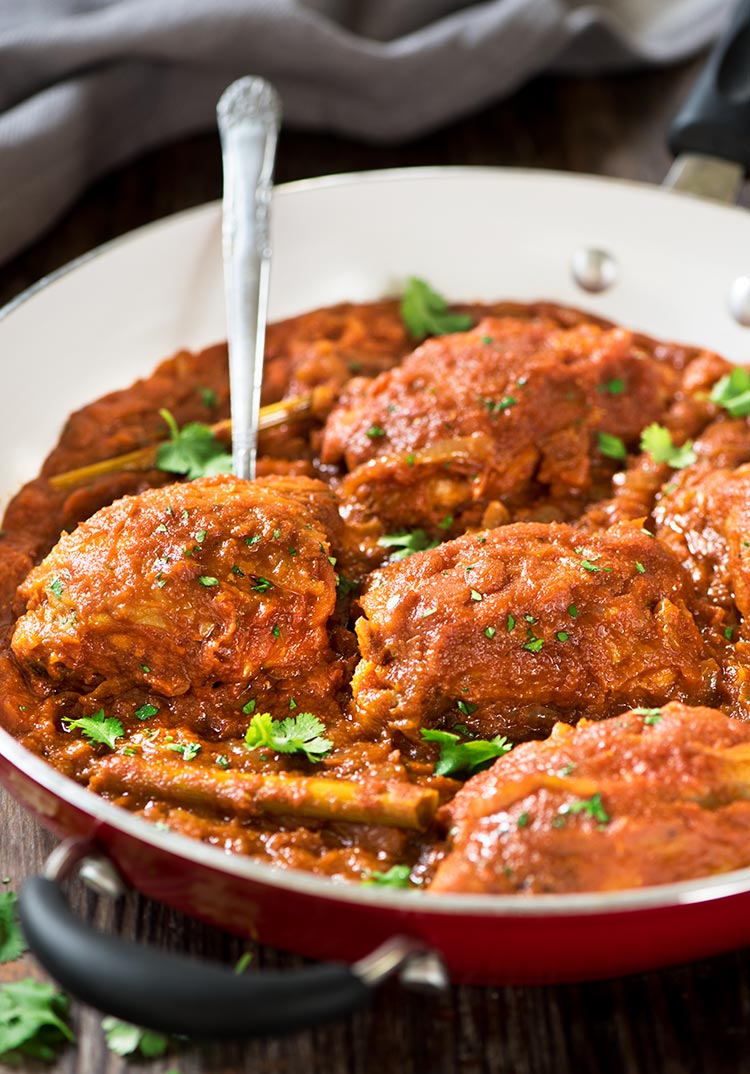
pixel 175 994
pixel 715 119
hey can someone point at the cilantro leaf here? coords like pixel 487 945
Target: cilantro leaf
pixel 32 1020
pixel 398 876
pixel 192 450
pixel 657 441
pixel 12 943
pixel 611 446
pixel 98 728
pixel 592 807
pixel 295 734
pixel 406 544
pixel 125 1039
pixel 468 756
pixel 733 392
pixel 425 313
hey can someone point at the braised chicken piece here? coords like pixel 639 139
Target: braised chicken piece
pixel 703 515
pixel 188 586
pixel 509 630
pixel 505 421
pixel 652 797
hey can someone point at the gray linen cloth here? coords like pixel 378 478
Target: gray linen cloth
pixel 86 85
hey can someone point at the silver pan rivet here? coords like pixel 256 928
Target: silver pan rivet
pixel 593 270
pixel 739 300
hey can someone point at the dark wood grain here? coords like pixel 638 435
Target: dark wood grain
pixel 688 1020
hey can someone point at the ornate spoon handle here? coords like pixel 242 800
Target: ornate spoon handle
pixel 249 116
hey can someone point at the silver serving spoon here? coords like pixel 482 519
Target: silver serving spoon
pixel 249 116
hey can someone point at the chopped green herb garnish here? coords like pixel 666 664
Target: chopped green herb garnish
pixel 425 312
pixel 651 720
pixel 275 630
pixel 261 585
pixel 410 459
pixel 733 392
pixel 192 450
pixel 646 712
pixel 615 386
pixel 56 587
pixel 375 432
pixel 639 567
pixel 523 820
pixel 208 581
pixel 467 756
pixel 475 595
pixel 200 536
pixel 728 632
pixel 562 635
pixel 249 706
pixel 428 612
pixel 534 645
pixel 253 540
pixel 222 760
pixel 572 611
pixel 466 707
pixel 510 622
pixel 243 962
pixel 145 711
pixel 446 523
pixel 208 398
pixel 486 340
pixel 406 544
pixel 295 734
pixel 161 528
pixel 395 877
pixel 611 446
pixel 188 750
pixel 496 406
pixel 99 728
pixel 592 807
pixel 489 632
pixel 657 441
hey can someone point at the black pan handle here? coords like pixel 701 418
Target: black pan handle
pixel 715 119
pixel 174 994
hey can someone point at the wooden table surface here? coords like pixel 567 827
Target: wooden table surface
pixel 693 1019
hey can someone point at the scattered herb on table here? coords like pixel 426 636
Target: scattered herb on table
pixel 126 1039
pixel 33 1021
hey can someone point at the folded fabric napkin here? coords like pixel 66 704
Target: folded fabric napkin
pixel 88 84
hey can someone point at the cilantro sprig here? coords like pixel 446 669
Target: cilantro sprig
pixel 657 441
pixel 192 450
pixel 465 756
pixel 12 942
pixel 733 392
pixel 406 544
pixel 295 734
pixel 33 1021
pixel 398 876
pixel 99 728
pixel 426 313
pixel 126 1039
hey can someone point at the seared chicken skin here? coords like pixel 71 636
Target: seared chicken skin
pixel 209 582
pixel 651 797
pixel 512 629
